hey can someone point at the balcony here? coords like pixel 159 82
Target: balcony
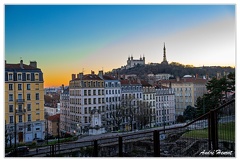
pixel 20 111
pixel 20 100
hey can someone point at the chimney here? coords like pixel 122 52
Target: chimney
pixel 62 88
pixel 92 72
pixel 21 64
pixel 100 74
pixel 5 62
pixel 81 76
pixel 73 76
pixel 196 76
pixel 33 64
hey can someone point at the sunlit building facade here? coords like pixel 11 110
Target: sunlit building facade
pixel 24 102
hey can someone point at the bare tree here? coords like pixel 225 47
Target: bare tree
pixel 144 116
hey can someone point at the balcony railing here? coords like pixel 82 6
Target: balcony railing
pixel 20 100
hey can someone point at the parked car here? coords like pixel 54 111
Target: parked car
pixel 19 151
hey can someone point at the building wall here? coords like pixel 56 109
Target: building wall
pixel 28 110
pixel 165 106
pixel 113 100
pixel 186 94
pixel 149 96
pixel 85 94
pixel 132 93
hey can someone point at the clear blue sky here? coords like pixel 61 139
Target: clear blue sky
pixel 66 39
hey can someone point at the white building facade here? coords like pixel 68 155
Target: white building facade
pixel 113 101
pixel 165 106
pixel 132 97
pixel 149 97
pixel 87 104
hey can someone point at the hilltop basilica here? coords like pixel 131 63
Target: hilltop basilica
pixel 132 63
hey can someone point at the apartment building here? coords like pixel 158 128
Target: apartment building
pixel 165 106
pixel 132 96
pixel 24 102
pixel 87 103
pixel 65 125
pixel 149 102
pixel 112 88
pixel 53 123
pixel 186 90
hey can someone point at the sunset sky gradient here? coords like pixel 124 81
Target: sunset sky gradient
pixel 66 39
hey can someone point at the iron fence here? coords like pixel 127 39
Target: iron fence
pixel 212 134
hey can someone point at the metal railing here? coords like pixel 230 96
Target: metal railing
pixel 212 134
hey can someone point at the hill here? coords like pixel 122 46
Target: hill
pixel 175 69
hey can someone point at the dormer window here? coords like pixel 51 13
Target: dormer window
pixel 36 76
pixel 10 76
pixel 28 77
pixel 19 76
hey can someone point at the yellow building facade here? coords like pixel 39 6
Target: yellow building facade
pixel 24 103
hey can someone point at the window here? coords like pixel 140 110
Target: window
pixel 36 86
pixel 29 127
pixel 29 117
pixel 37 107
pixel 20 109
pixel 94 101
pixel 10 97
pixel 37 96
pixel 89 92
pixel 10 77
pixel 28 96
pixel 10 119
pixel 85 110
pixel 10 87
pixel 28 107
pixel 19 86
pixel 20 118
pixel 86 119
pixel 10 108
pixel 28 86
pixel 19 76
pixel 89 101
pixel 36 76
pixel 28 77
pixel 85 92
pixel 85 101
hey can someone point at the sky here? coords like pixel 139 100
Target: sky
pixel 68 39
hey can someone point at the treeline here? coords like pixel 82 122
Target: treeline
pixel 175 69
